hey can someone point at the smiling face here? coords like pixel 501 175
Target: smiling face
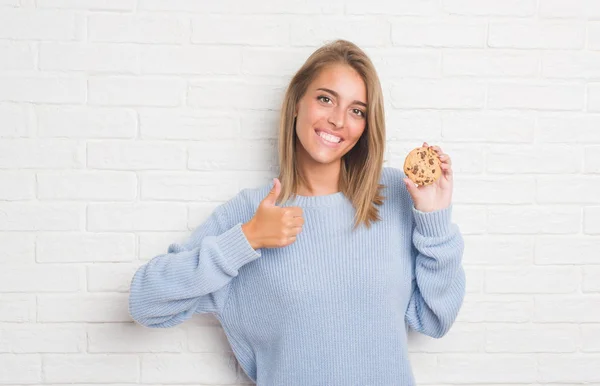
pixel 334 105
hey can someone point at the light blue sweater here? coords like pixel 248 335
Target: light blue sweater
pixel 330 309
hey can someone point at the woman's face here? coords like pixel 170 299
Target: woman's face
pixel 334 103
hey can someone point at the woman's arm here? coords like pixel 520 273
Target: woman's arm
pixel 193 277
pixel 439 279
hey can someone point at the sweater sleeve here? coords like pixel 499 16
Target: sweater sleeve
pixel 439 278
pixel 192 277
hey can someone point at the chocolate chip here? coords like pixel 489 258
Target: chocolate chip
pixel 430 161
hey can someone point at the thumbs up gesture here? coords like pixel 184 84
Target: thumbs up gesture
pixel 273 226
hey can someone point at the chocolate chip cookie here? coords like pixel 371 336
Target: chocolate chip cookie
pixel 422 166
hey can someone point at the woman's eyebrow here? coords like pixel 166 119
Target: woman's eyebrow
pixel 335 94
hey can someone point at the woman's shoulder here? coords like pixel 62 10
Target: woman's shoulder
pixel 242 206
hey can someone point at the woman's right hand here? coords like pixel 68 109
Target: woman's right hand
pixel 273 226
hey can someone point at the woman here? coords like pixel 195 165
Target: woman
pixel 316 278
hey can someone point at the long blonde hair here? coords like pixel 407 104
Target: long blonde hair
pixel 362 165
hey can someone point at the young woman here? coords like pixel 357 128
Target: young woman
pixel 316 277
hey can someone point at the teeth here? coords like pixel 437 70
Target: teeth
pixel 329 137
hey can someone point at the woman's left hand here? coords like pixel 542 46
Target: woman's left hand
pixel 438 195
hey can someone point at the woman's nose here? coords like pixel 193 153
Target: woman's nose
pixel 336 117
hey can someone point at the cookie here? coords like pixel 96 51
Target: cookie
pixel 422 166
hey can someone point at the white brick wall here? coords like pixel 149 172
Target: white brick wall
pixel 124 123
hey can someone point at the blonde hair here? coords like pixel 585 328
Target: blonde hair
pixel 362 165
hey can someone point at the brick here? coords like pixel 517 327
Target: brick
pixel 490 63
pixel 490 190
pixel 590 337
pixel 57 247
pixel 37 24
pixel 188 124
pixel 135 155
pixel 396 8
pixel 591 220
pixel 534 219
pixel 136 217
pixel 17 121
pixel 269 61
pixel 240 29
pixel 17 185
pixel 18 308
pixel 545 280
pixel 515 8
pixel 566 250
pixel 568 128
pixel 43 338
pixel 485 368
pixel 475 279
pixel 227 155
pixel 462 337
pixel 458 33
pixel 188 186
pixel 397 63
pixel 531 338
pixel 567 309
pixel 571 65
pixel 38 154
pixel 41 217
pixel 569 9
pixel 554 159
pixel 182 60
pixel 237 7
pixel 438 94
pixel 574 368
pixel 17 248
pixel 38 278
pixel 129 337
pixel 111 277
pixel 537 35
pixel 20 369
pixel 592 159
pixel 83 185
pixel 491 127
pixel 137 28
pixel 413 125
pixel 209 368
pixel 16 56
pixel 88 308
pixel 86 368
pixel 496 308
pixel 42 89
pixel 497 250
pixel 593 36
pixel 156 243
pixel 108 5
pixel 94 57
pixel 235 94
pixel 86 122
pixel 136 91
pixel 535 96
pixel 472 218
pixel 364 31
pixel 575 189
pixel 591 279
pixel 593 97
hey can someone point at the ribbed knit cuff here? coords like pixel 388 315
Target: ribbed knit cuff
pixel 433 224
pixel 236 247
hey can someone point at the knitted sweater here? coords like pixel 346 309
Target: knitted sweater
pixel 330 309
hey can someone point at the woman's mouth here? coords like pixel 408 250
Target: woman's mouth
pixel 328 140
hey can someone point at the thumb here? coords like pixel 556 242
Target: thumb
pixel 410 186
pixel 273 193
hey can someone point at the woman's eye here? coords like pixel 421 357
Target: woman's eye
pixel 359 112
pixel 323 97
